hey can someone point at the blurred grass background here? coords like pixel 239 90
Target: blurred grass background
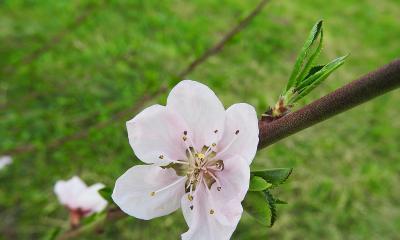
pixel 69 66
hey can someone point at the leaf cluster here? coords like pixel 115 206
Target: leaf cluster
pixel 259 201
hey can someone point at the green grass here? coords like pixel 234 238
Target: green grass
pixel 345 180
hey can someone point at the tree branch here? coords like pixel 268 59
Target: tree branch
pixel 359 91
pixel 221 43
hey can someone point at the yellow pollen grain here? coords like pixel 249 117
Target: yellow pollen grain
pixel 152 194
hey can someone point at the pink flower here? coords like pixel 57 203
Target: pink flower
pixel 79 198
pixel 198 158
pixel 4 161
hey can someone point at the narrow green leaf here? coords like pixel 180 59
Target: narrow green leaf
pixel 106 193
pixel 314 70
pixel 313 81
pixel 274 176
pixel 279 201
pixel 308 65
pixel 93 218
pixel 52 233
pixel 256 205
pixel 258 184
pixel 271 204
pixel 297 70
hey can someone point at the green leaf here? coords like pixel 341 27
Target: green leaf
pixel 257 206
pixel 279 201
pixel 314 70
pixel 302 64
pixel 309 63
pixel 52 233
pixel 317 78
pixel 258 184
pixel 274 176
pixel 271 204
pixel 93 218
pixel 106 193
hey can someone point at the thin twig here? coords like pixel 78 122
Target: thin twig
pixel 221 43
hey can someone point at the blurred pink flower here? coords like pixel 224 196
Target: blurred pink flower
pixel 79 198
pixel 4 161
pixel 198 156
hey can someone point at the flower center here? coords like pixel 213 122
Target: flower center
pixel 200 167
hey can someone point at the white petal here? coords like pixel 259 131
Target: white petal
pixel 240 117
pixel 91 200
pixel 133 191
pixel 201 109
pixel 69 191
pixel 234 179
pixel 4 161
pixel 210 218
pixel 155 135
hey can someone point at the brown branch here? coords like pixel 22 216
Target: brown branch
pixel 208 53
pixel 359 91
pixel 221 43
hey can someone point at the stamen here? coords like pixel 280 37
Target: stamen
pixel 206 186
pixel 211 211
pixel 180 162
pixel 216 180
pixel 209 150
pixel 168 186
pixel 191 207
pixel 216 130
pixel 161 157
pixel 186 145
pixel 228 146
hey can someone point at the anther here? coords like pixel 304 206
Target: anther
pixel 161 157
pixel 214 144
pixel 191 207
pixel 152 194
pixel 219 189
pixel 211 211
pixel 184 132
pixel 216 131
pixel 237 132
pixel 190 197
pixel 184 138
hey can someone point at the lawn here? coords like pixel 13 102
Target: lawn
pixel 73 72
